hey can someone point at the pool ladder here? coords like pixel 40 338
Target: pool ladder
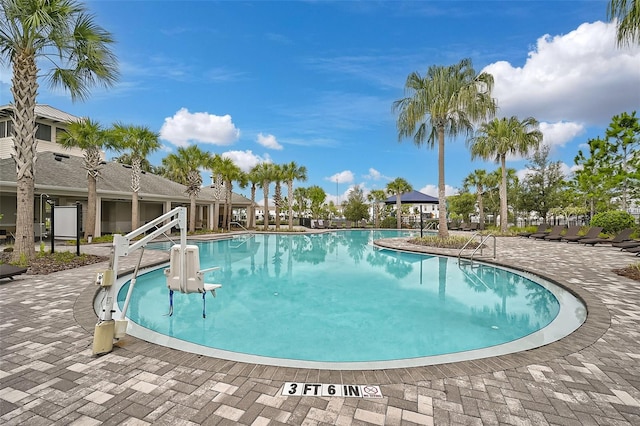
pixel 248 233
pixel 480 247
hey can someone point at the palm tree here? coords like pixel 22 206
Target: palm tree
pixel 89 136
pixel 264 173
pixel 140 141
pixel 478 179
pixel 448 100
pixel 397 187
pixel 229 172
pixel 500 137
pixel 184 167
pixel 63 33
pixel 291 171
pixel 277 177
pixel 627 13
pixel 254 179
pixel 376 196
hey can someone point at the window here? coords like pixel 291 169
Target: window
pixel 6 129
pixel 43 132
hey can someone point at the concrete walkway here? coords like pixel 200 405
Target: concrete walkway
pixel 48 374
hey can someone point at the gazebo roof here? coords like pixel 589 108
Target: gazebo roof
pixel 413 197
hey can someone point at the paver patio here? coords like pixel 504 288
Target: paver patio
pixel 48 374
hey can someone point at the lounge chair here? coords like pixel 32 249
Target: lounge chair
pixel 473 226
pixel 542 228
pixel 635 250
pixel 627 244
pixel 10 271
pixel 572 231
pixel 593 232
pixel 556 230
pixel 623 235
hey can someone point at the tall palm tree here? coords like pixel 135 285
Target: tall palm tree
pixel 478 178
pixel 277 177
pixel 89 136
pixel 140 141
pixel 500 137
pixel 254 179
pixel 397 187
pixel 291 171
pixel 447 100
pixel 376 196
pixel 264 173
pixel 229 172
pixel 184 167
pixel 627 12
pixel 77 50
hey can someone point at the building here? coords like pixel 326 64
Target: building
pixel 61 177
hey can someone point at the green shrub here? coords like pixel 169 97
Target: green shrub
pixel 389 222
pixel 613 221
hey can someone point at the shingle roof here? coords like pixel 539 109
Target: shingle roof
pixel 67 172
pixel 43 111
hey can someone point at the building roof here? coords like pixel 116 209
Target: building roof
pixel 42 111
pixel 55 171
pixel 413 197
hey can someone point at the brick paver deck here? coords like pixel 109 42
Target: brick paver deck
pixel 48 374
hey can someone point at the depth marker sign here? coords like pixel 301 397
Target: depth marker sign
pixel 319 389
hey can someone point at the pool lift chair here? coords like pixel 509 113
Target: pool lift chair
pixel 183 258
pixel 193 280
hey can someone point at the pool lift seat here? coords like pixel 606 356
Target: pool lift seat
pixel 192 281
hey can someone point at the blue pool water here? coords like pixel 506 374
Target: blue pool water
pixel 333 297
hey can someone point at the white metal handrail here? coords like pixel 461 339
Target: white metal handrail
pixel 480 245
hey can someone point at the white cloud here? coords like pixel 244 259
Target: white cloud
pixel 268 141
pixel 246 160
pixel 342 177
pixel 433 190
pixel 580 76
pixel 199 127
pixel 558 134
pixel 375 175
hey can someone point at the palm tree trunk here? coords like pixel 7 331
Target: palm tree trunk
pixel 265 191
pixel 134 211
pixel 398 212
pixel 481 208
pixel 192 213
pixel 90 224
pixel 24 88
pixel 503 196
pixel 443 232
pixel 290 198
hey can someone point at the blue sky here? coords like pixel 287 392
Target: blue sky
pixel 314 81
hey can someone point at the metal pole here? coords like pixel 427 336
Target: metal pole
pixel 53 223
pixel 421 229
pixel 41 218
pixel 78 227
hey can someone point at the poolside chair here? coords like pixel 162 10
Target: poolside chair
pixel 593 232
pixel 10 271
pixel 556 230
pixel 623 235
pixel 572 231
pixel 635 250
pixel 194 280
pixel 473 226
pixel 542 228
pixel 626 244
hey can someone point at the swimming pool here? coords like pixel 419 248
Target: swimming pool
pixel 333 300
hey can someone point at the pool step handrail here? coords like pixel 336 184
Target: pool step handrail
pixel 480 246
pixel 247 233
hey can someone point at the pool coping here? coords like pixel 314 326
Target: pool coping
pixel 597 322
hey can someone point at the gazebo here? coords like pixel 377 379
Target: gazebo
pixel 413 197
